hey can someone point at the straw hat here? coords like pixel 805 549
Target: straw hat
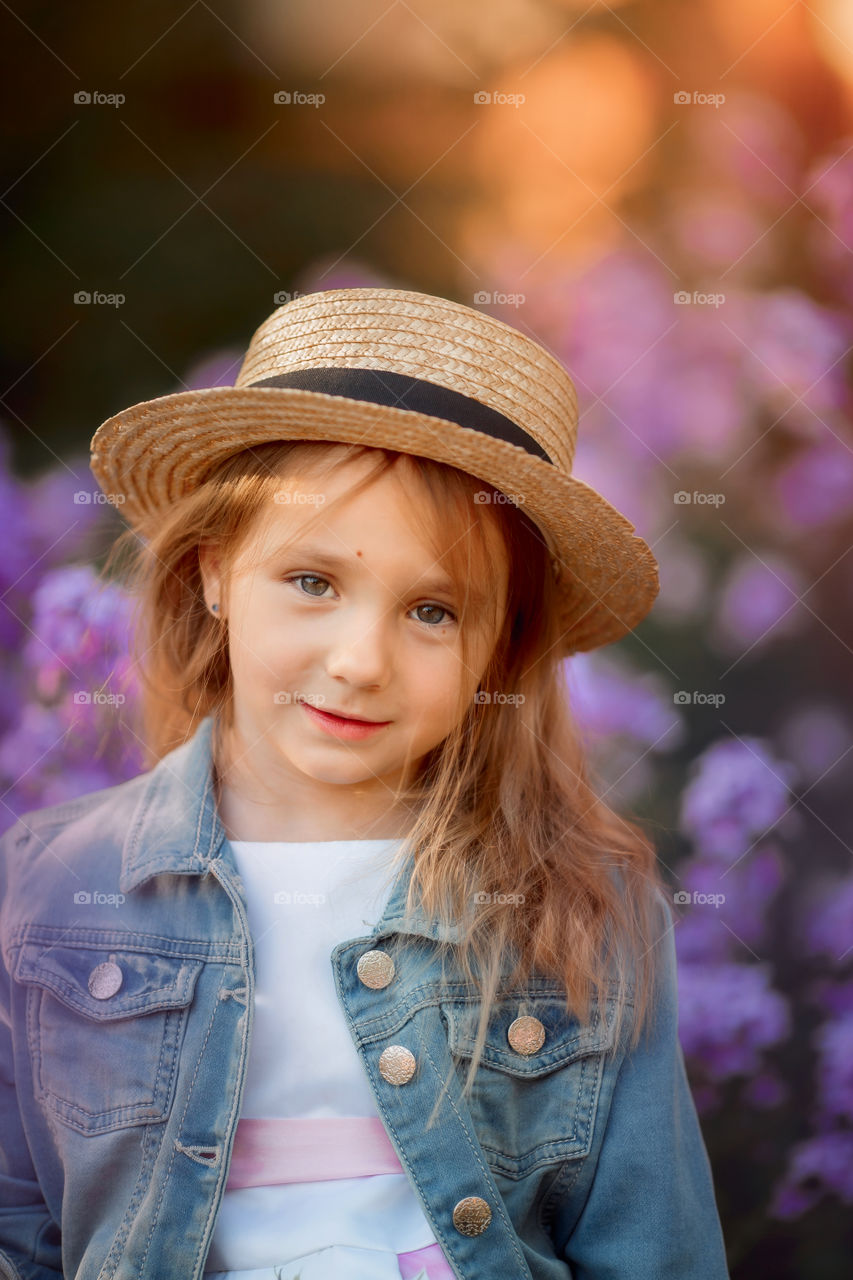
pixel 408 371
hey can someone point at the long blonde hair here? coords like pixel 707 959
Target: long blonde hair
pixel 505 811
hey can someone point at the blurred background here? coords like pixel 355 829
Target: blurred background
pixel 662 195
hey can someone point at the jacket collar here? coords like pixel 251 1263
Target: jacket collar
pixel 176 829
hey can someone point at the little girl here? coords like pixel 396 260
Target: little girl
pixel 361 979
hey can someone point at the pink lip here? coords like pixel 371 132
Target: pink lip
pixel 343 726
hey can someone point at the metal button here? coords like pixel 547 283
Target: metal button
pixel 526 1035
pixel 397 1064
pixel 105 980
pixel 375 969
pixel 471 1216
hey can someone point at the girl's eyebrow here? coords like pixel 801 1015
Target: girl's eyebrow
pixel 436 581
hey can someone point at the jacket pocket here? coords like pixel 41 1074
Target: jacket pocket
pixel 535 1108
pixel 105 1026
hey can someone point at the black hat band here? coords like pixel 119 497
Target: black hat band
pixel 399 391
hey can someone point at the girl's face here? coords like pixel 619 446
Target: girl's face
pixel 355 616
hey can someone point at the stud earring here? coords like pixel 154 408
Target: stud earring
pixel 214 608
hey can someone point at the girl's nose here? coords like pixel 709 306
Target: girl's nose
pixel 362 653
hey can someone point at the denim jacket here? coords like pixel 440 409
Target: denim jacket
pixel 126 1002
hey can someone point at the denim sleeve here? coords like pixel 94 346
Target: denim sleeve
pixel 29 1238
pixel 651 1212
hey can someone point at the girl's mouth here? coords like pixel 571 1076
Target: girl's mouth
pixel 340 727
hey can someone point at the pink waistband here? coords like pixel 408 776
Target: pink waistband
pixel 271 1152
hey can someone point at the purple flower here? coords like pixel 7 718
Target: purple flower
pixel 637 491
pixel 834 998
pixel 28 752
pixel 727 910
pixel 618 711
pixel 75 680
pixel 737 791
pixel 704 403
pixel 765 1090
pixel 754 885
pixel 729 1014
pixel 714 227
pixel 64 506
pixel 794 350
pixel 818 740
pixel 759 602
pixel 757 154
pixel 834 1042
pixel 19 552
pixel 615 310
pixel 814 488
pixel 81 629
pixel 69 783
pixel 608 698
pixel 829 925
pixel 700 936
pixel 48 758
pixel 819 1165
pixel 615 316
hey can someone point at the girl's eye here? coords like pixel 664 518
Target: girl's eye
pixel 302 577
pixel 324 582
pixel 435 607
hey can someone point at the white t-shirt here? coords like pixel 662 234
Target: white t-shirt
pixel 303 899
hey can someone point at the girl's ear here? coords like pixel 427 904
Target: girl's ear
pixel 211 575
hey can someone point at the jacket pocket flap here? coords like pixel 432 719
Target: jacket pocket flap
pixel 565 1038
pixel 108 982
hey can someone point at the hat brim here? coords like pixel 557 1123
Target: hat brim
pixel 152 453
